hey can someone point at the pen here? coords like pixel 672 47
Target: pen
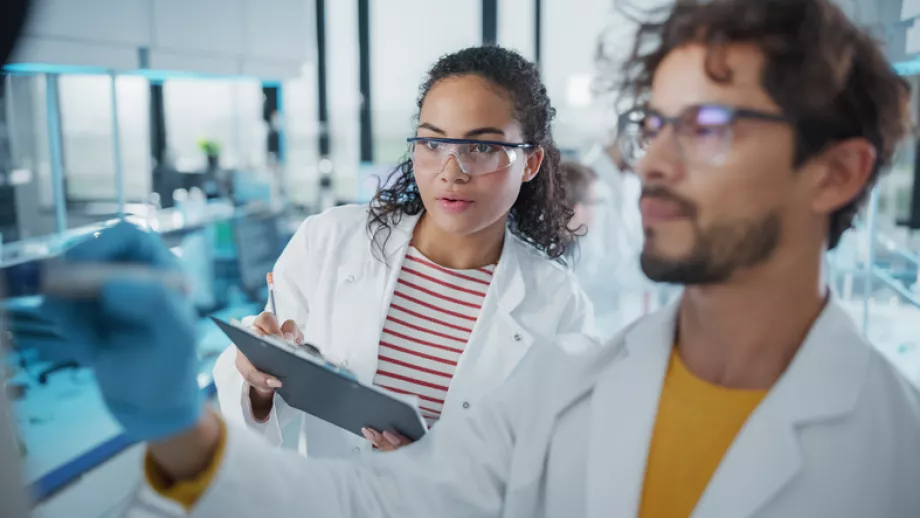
pixel 85 281
pixel 271 293
pixel 271 299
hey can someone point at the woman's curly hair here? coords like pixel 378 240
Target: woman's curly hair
pixel 540 215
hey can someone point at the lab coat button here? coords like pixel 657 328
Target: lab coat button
pixel 518 337
pixel 350 279
pixel 357 449
pixel 466 404
pixel 344 363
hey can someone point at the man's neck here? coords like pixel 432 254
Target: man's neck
pixel 459 252
pixel 744 333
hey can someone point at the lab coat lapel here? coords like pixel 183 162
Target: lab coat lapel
pixel 364 286
pixel 505 293
pixel 623 409
pixel 509 280
pixel 821 384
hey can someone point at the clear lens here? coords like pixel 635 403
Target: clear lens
pixel 431 156
pixel 703 134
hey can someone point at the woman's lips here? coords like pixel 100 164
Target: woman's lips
pixel 454 205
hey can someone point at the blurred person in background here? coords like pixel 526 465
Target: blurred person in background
pixel 441 285
pixel 762 127
pixel 611 253
pixel 599 258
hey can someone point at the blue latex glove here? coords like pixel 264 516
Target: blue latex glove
pixel 138 337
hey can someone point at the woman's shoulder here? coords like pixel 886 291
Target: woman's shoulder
pixel 342 221
pixel 539 267
pixel 343 216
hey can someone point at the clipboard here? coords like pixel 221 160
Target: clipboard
pixel 324 390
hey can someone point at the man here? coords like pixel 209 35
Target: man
pixel 766 124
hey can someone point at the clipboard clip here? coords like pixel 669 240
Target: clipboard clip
pixel 313 351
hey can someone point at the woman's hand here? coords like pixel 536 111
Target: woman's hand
pixel 386 441
pixel 263 386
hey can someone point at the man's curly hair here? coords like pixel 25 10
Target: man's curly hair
pixel 828 75
pixel 540 215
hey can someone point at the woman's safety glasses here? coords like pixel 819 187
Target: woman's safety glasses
pixel 473 157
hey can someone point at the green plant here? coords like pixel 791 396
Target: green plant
pixel 210 147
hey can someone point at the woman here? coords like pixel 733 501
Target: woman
pixel 440 286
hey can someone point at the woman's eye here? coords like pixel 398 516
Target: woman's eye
pixel 431 145
pixel 483 148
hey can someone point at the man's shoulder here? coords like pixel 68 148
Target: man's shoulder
pixel 578 356
pixel 888 396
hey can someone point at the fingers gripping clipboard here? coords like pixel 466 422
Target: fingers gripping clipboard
pixel 315 386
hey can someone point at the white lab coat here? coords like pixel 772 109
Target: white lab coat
pixel 568 435
pixel 329 281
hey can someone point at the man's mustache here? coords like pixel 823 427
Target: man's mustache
pixel 687 207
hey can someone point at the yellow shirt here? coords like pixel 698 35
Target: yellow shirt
pixel 697 422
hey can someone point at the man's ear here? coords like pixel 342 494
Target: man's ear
pixel 847 167
pixel 534 161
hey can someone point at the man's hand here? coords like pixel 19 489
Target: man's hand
pixel 138 336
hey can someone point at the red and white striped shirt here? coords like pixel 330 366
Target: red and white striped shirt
pixel 429 322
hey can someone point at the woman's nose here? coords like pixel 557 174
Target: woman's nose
pixel 453 170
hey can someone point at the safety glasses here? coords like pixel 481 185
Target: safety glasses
pixel 474 157
pixel 703 134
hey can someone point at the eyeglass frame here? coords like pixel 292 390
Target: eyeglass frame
pixel 445 140
pixel 733 113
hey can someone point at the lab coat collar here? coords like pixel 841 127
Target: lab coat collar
pixel 508 277
pixel 624 404
pixel 821 384
pixel 400 236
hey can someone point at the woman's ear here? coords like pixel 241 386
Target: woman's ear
pixel 532 166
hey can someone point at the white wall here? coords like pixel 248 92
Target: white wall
pixel 408 37
pixel 269 39
pixel 301 127
pixel 516 26
pixel 86 127
pixel 343 94
pixel 570 37
pixel 227 112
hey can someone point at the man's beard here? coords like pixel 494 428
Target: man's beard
pixel 717 252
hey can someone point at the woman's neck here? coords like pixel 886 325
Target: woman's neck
pixel 459 252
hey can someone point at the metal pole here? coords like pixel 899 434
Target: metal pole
pixel 872 228
pixel 55 152
pixel 116 147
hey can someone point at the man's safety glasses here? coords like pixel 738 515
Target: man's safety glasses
pixel 473 157
pixel 703 134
